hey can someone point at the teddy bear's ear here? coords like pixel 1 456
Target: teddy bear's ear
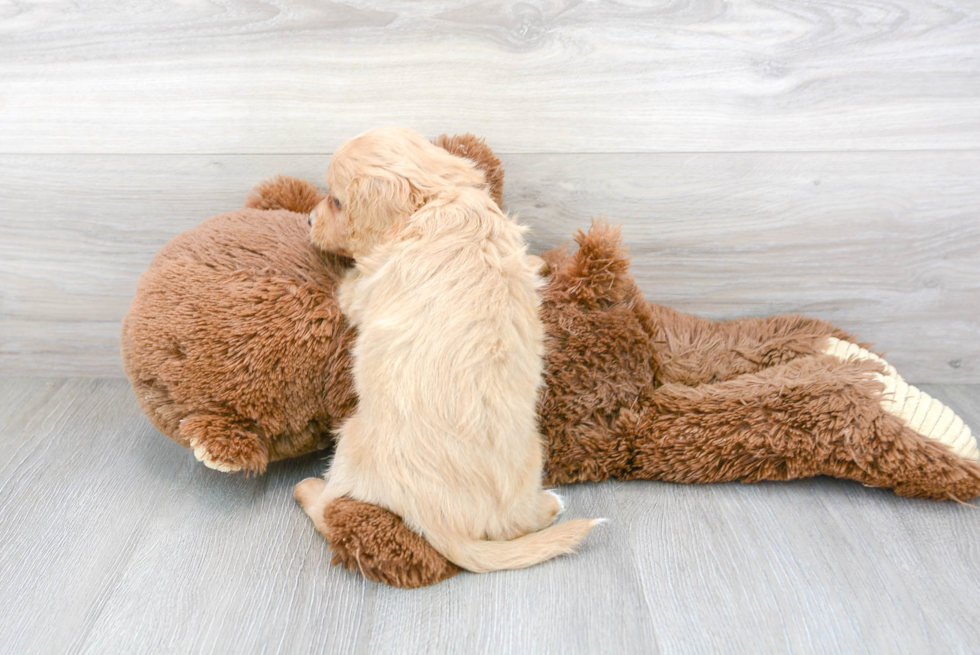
pixel 597 274
pixel 476 150
pixel 283 192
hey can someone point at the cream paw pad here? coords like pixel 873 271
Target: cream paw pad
pixel 202 455
pixel 917 409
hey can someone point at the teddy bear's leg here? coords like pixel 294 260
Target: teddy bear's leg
pixel 695 351
pixel 842 413
pixel 225 443
pixel 918 410
pixel 376 543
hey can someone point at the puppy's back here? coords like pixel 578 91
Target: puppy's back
pixel 448 367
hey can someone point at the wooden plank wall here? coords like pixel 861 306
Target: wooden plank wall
pixel 765 156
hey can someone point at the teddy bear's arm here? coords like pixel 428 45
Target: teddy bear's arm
pixel 697 351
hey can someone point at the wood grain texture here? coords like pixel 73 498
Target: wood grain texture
pixel 116 541
pixel 242 76
pixel 816 566
pixel 884 244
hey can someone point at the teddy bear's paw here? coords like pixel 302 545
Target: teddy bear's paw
pixel 918 410
pixel 224 443
pixel 202 455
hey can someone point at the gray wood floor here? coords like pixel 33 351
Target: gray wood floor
pixel 114 540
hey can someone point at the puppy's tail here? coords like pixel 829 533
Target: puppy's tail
pixel 531 549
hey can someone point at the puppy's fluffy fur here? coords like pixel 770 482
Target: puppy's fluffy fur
pixel 448 357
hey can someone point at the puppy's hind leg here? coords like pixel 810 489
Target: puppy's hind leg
pixel 314 495
pixel 307 493
pixel 546 506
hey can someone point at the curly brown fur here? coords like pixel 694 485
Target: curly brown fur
pixel 476 150
pixel 283 192
pixel 813 416
pixel 235 340
pixel 376 543
pixel 698 351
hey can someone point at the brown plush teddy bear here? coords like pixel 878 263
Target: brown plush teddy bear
pixel 236 348
pixel 234 343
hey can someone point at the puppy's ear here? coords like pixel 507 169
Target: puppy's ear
pixel 377 206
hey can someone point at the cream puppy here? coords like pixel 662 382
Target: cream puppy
pixel 448 357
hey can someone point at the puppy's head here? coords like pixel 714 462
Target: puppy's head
pixel 377 181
